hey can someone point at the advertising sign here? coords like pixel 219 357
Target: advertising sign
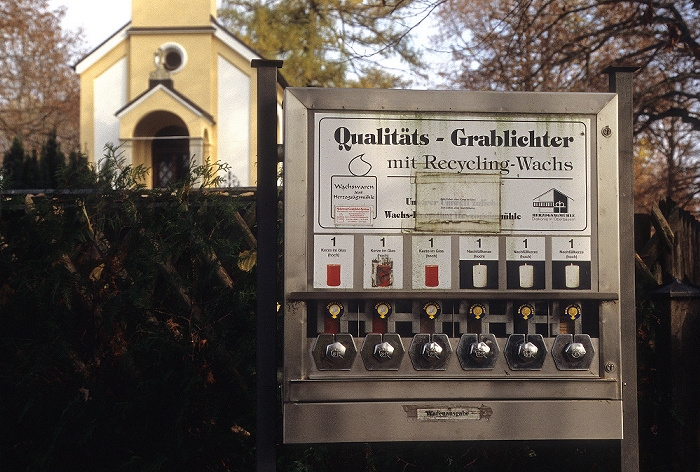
pixel 468 173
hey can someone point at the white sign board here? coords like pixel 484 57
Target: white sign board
pixel 515 174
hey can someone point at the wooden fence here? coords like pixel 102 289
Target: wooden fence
pixel 672 250
pixel 668 316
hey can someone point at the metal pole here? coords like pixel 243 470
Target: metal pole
pixel 620 81
pixel 266 337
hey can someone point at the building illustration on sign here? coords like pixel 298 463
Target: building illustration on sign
pixel 552 201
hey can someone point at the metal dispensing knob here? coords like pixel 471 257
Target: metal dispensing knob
pixel 477 351
pixel 383 351
pixel 575 351
pixel 527 351
pixel 335 351
pixel 480 350
pixel 432 350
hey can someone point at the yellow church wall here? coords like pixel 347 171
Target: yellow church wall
pixel 150 13
pixel 139 152
pixel 217 77
pixel 188 80
pixel 160 101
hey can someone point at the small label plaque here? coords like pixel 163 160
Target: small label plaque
pixel 458 202
pixel 456 413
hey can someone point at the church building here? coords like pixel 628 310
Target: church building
pixel 172 87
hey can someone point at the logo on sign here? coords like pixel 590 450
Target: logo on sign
pixel 553 205
pixel 552 201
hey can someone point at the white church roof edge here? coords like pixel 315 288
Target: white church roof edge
pixel 170 91
pixel 102 49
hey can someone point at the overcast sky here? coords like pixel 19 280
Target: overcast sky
pixel 99 19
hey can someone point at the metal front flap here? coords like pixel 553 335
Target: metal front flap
pixel 452 421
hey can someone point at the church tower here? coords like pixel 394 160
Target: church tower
pixel 173 88
pixel 172 13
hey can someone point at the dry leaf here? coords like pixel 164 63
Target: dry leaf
pixel 96 273
pixel 247 260
pixel 238 430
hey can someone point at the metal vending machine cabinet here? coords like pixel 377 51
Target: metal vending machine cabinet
pixel 451 266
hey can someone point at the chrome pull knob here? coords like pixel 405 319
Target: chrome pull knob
pixel 335 351
pixel 480 350
pixel 383 351
pixel 527 351
pixel 575 351
pixel 432 350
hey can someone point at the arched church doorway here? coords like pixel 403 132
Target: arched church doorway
pixel 170 155
pixel 162 142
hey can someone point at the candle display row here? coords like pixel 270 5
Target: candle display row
pixel 431 264
pixel 565 275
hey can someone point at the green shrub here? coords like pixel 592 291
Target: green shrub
pixel 127 326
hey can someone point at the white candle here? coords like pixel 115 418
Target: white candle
pixel 479 274
pixel 527 276
pixel 572 276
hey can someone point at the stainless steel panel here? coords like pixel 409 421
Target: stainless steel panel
pixel 381 388
pixel 452 421
pixel 375 404
pixel 450 101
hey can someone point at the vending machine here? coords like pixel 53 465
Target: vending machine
pixel 452 266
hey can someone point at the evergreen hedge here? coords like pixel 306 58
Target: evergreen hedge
pixel 127 320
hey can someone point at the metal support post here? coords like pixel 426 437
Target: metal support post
pixel 620 81
pixel 266 337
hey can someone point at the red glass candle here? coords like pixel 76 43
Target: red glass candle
pixel 383 275
pixel 431 276
pixel 333 275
